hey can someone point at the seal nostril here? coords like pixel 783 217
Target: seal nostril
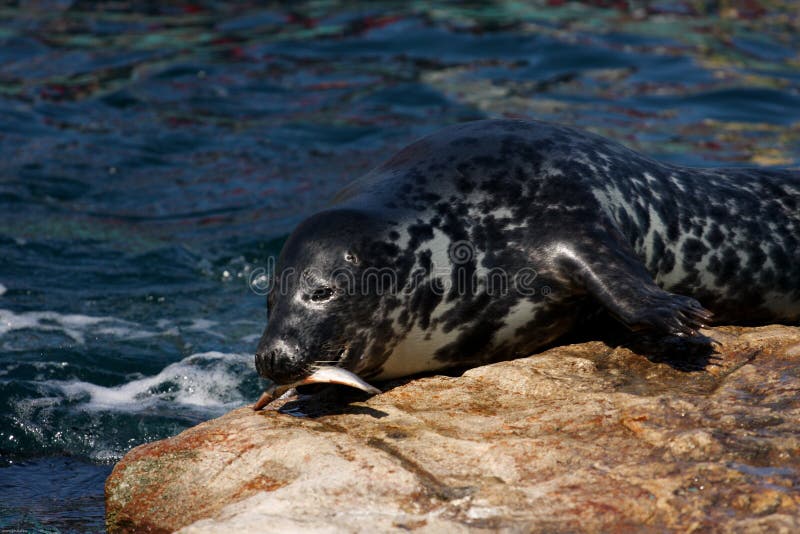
pixel 278 366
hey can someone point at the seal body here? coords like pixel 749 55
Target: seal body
pixel 490 239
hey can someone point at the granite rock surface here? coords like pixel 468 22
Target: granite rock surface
pixel 587 437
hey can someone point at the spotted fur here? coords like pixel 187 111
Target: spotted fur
pixel 592 222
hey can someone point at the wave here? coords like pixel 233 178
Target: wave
pixel 72 325
pixel 77 326
pixel 209 380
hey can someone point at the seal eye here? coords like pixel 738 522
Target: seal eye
pixel 350 257
pixel 321 294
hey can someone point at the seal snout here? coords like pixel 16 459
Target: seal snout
pixel 279 364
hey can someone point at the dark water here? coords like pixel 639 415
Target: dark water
pixel 151 158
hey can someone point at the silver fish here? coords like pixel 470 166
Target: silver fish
pixel 323 375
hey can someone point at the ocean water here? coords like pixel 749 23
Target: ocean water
pixel 151 158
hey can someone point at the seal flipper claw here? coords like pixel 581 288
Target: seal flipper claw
pixel 664 312
pixel 648 307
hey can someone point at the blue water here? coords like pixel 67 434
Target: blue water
pixel 152 158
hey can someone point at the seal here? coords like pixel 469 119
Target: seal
pixel 489 240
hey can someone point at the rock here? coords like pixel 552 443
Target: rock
pixel 581 437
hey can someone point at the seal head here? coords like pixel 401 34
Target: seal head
pixel 320 304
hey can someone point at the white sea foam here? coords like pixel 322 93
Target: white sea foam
pixel 2 289
pixel 81 327
pixel 124 332
pixel 208 380
pixel 203 325
pixel 250 338
pixel 70 324
pixel 75 326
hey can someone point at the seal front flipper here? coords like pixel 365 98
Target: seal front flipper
pixel 656 309
pixel 617 279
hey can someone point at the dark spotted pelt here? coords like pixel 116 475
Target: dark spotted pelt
pixel 544 223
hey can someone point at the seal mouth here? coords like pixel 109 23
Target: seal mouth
pixel 322 374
